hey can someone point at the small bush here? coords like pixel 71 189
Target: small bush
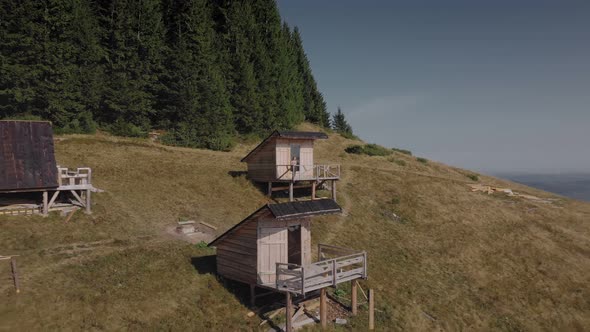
pixel 368 149
pixel 473 177
pixel 422 160
pixel 202 245
pixel 124 128
pixel 354 149
pixel 408 152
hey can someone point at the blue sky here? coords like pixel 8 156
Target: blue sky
pixel 493 86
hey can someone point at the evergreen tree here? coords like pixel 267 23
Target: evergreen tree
pixel 340 125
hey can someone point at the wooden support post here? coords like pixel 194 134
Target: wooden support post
pixel 334 190
pixel 353 297
pixel 45 204
pixel 313 190
pixel 15 274
pixel 371 309
pixel 252 295
pixel 269 193
pixel 323 308
pixel 289 313
pixel 88 202
pixel 291 191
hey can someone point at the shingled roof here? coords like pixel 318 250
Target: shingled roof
pixel 289 210
pixel 27 160
pixel 287 134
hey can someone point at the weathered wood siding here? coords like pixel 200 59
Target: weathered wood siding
pixel 27 160
pixel 283 158
pixel 236 254
pixel 261 166
pixel 306 257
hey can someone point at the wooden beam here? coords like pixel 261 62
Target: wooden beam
pixel 45 204
pixel 77 197
pixel 269 193
pixel 371 309
pixel 323 308
pixel 313 190
pixel 15 274
pixel 353 299
pixel 289 313
pixel 287 187
pixel 53 198
pixel 291 191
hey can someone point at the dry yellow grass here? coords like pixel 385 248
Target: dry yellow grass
pixel 455 260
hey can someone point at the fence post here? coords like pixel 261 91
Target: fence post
pixel 15 274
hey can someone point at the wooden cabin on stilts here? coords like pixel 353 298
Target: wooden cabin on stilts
pixel 286 158
pixel 271 249
pixel 28 169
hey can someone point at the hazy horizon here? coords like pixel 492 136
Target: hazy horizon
pixel 490 86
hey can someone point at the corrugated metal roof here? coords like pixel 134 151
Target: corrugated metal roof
pixel 304 208
pixel 303 134
pixel 287 134
pixel 27 160
pixel 289 210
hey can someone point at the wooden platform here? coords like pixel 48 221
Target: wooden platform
pixel 347 266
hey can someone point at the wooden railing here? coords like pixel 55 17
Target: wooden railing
pixel 70 179
pixel 327 272
pixel 308 172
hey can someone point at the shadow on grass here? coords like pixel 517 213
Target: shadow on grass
pixel 204 264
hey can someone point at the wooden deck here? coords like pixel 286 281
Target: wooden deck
pixel 336 265
pixel 307 172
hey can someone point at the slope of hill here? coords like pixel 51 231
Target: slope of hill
pixel 454 260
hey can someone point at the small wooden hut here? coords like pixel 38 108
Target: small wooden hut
pixel 287 157
pixel 28 165
pixel 271 249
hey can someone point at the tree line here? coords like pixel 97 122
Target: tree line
pixel 204 71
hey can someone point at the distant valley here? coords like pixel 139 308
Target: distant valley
pixel 575 186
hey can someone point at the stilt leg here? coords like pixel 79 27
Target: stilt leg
pixel 269 193
pixel 353 301
pixel 291 191
pixel 45 204
pixel 88 202
pixel 252 296
pixel 289 313
pixel 313 184
pixel 323 308
pixel 334 190
pixel 371 309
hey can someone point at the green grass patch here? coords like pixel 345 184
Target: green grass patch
pixel 369 150
pixel 422 160
pixel 473 177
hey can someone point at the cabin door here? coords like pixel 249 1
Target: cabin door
pixel 295 160
pixel 272 249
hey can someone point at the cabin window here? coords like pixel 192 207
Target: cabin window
pixel 296 152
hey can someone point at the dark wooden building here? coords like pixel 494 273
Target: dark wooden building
pixel 27 160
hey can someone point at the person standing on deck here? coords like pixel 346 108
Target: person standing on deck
pixel 294 166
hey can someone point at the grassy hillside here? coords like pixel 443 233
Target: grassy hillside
pixel 453 259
